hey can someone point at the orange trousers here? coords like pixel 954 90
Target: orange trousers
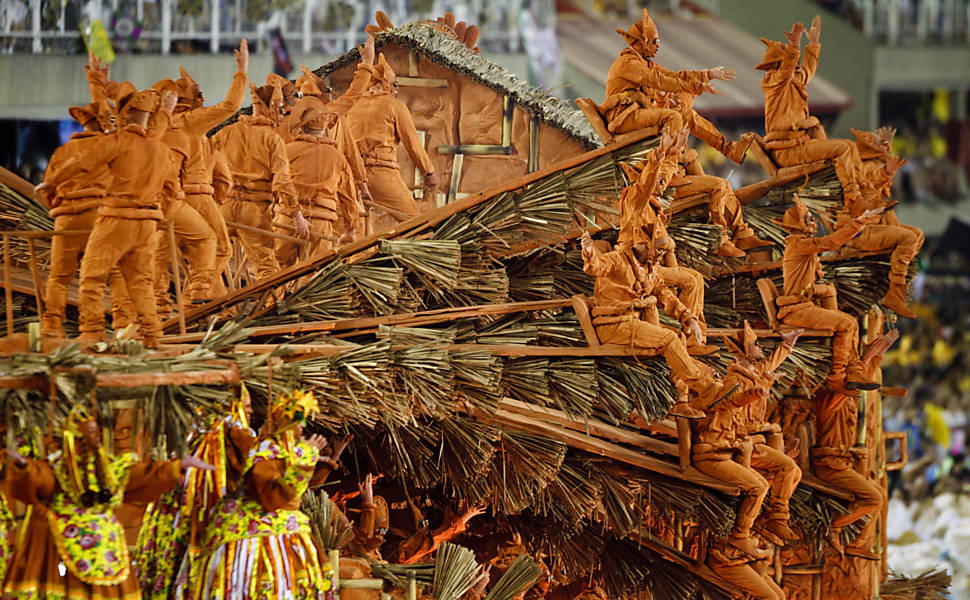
pixel 745 577
pixel 197 241
pixel 642 334
pixel 288 253
pixel 870 498
pixel 723 207
pixel 390 193
pixel 753 486
pixel 843 154
pixel 259 249
pixel 664 118
pixel 845 342
pixel 207 208
pixel 690 289
pixel 783 474
pixel 904 240
pixel 128 243
pixel 66 252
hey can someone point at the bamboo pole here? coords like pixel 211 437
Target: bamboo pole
pixel 266 233
pixel 176 275
pixel 8 291
pixel 35 273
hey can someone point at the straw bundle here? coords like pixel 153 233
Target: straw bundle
pixel 455 572
pixel 516 579
pixel 330 528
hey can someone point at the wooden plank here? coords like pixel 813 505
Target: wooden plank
pixel 476 149
pixel 684 561
pixel 23 382
pixel 582 313
pixel 755 191
pixel 596 446
pixel 8 291
pixel 407 228
pixel 21 186
pixel 421 82
pixel 35 274
pixel 206 377
pixel 589 426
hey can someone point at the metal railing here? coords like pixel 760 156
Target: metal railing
pixel 166 26
pixel 913 22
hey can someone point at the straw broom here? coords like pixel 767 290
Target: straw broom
pixel 331 530
pixel 455 572
pixel 518 578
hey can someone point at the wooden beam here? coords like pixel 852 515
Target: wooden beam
pixel 21 186
pixel 686 562
pixel 421 82
pixel 755 191
pixel 226 376
pixel 533 143
pixel 597 446
pixel 476 149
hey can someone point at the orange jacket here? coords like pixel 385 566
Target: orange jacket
pixel 133 158
pixel 257 158
pixel 378 122
pixel 85 190
pixel 321 176
pixel 800 264
pixel 344 138
pixel 786 99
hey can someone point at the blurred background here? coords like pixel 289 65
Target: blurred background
pixel 902 63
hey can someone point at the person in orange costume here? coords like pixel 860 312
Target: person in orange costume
pixel 634 77
pixel 684 173
pixel 753 372
pixel 123 233
pixel 879 166
pixel 793 135
pixel 192 232
pixel 627 291
pixel 701 128
pixel 74 545
pixel 196 120
pixel 320 175
pixel 261 179
pixel 807 302
pixel 73 206
pixel 379 122
pixel 835 455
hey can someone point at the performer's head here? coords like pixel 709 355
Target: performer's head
pixel 267 102
pixel 314 122
pixel 289 412
pixel 87 116
pixel 291 93
pixel 83 428
pixel 774 52
pixel 138 107
pixel 189 92
pixel 798 219
pixel 871 145
pixel 643 36
pixel 384 77
pixel 744 343
pixel 310 84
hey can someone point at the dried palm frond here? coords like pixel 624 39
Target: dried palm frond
pixel 619 502
pixel 696 246
pixel 436 261
pixel 330 528
pixel 423 573
pixel 523 465
pixel 327 294
pixel 466 451
pixel 425 380
pixel 478 378
pixel 812 513
pixel 668 580
pixel 647 382
pixel 624 569
pixel 416 335
pixel 572 386
pixel 728 301
pixel 517 579
pixel 455 572
pixel 669 497
pixel 570 498
pixel 379 285
pixel 409 453
pixel 18 212
pixel 933 584
pixel 861 282
pixel 525 379
pixel 562 329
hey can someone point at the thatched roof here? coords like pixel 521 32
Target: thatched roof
pixel 451 53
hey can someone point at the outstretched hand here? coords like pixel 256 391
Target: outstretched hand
pixel 790 337
pixel 301 228
pixel 875 351
pixel 794 36
pixel 366 488
pixel 694 328
pixel 719 72
pixel 586 243
pixel 815 30
pixel 242 56
pixel 340 445
pixel 194 462
pixel 169 98
pixel 708 87
pixel 317 441
pixel 17 457
pixel 870 216
pixel 893 164
pixel 367 51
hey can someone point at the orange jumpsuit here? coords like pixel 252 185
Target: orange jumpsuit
pixel 124 230
pixel 630 84
pixel 625 301
pixel 37 566
pixel 805 303
pixel 344 138
pixel 379 122
pixel 734 566
pixel 74 208
pixel 200 161
pixel 261 176
pixel 836 423
pixel 191 229
pixel 320 175
pixel 787 120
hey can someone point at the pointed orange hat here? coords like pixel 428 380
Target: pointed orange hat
pixel 774 52
pixel 383 71
pixel 870 145
pixel 84 114
pixel 310 84
pixel 742 342
pixel 641 31
pixel 186 87
pixel 794 218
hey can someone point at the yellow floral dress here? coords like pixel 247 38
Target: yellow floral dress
pixel 258 545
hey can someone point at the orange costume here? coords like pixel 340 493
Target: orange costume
pixel 634 78
pixel 903 240
pixel 379 122
pixel 625 300
pixel 740 569
pixel 807 303
pixel 124 229
pixel 261 177
pixel 793 135
pixel 321 177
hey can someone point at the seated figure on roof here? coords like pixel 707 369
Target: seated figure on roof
pixel 634 78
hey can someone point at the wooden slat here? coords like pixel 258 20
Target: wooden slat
pixel 677 557
pixel 21 186
pixel 226 376
pixel 582 313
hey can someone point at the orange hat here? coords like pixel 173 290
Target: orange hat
pixel 286 86
pixel 383 71
pixel 870 145
pixel 84 114
pixel 774 52
pixel 643 30
pixel 794 218
pixel 310 84
pixel 166 85
pixel 742 343
pixel 314 118
pixel 269 97
pixel 145 101
pixel 186 87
